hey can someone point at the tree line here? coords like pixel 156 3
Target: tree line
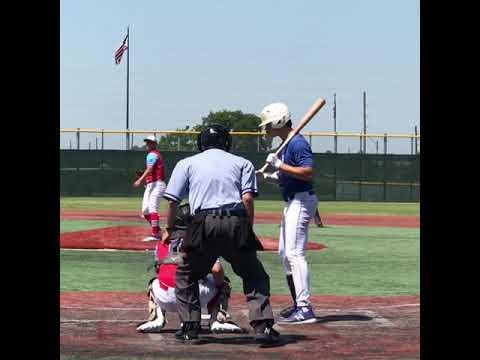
pixel 233 120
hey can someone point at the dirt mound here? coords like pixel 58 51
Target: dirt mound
pixel 129 238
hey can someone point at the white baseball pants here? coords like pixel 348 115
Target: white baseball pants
pixel 152 196
pixel 293 242
pixel 166 299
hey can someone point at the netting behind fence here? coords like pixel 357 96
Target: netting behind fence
pixel 346 177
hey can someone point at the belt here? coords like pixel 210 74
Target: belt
pixel 222 212
pixel 291 196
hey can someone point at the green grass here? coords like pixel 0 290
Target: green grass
pixel 358 261
pixel 339 207
pixel 79 225
pixel 333 234
pixel 103 203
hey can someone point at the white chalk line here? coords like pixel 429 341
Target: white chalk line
pixel 378 319
pixel 318 309
pixel 87 321
pixel 370 308
pixel 81 321
pixel 375 318
pixel 104 308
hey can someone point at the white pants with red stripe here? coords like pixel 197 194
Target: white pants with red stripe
pixel 166 300
pixel 293 242
pixel 152 196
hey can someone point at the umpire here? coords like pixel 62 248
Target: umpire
pixel 220 188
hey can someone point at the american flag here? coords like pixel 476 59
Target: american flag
pixel 120 51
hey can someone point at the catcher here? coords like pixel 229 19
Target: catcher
pixel 214 289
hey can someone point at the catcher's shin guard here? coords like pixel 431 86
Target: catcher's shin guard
pixel 219 306
pixel 156 316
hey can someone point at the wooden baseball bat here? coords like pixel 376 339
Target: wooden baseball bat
pixel 317 105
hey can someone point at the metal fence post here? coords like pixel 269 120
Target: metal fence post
pixel 78 138
pixel 335 143
pixel 411 146
pixel 385 143
pixel 310 139
pixel 102 137
pixel 178 143
pixel 335 177
pixel 362 176
pixel 361 151
pixel 416 141
pixel 385 175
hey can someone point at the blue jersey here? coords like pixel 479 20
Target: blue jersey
pixel 212 179
pixel 297 153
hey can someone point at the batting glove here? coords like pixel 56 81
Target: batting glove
pixel 271 177
pixel 273 160
pixel 268 177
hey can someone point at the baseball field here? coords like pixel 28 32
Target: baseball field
pixel 365 277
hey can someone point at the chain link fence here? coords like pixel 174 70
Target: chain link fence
pixel 344 177
pixel 334 142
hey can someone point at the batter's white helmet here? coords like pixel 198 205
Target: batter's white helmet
pixel 276 114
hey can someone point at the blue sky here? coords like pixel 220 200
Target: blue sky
pixel 191 57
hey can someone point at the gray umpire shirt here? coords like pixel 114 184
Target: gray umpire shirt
pixel 212 179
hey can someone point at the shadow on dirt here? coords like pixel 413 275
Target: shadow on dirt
pixel 249 340
pixel 332 318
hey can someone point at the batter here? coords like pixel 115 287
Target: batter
pixel 294 174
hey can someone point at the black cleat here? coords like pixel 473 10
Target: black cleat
pixel 188 334
pixel 268 336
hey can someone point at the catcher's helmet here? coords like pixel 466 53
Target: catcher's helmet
pixel 214 136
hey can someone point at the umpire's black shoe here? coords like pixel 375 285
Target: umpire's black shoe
pixel 266 334
pixel 188 334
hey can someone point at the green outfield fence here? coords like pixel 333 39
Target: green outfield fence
pixel 343 177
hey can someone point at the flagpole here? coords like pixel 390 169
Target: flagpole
pixel 128 83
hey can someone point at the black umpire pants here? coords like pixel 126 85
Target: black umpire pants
pixel 231 237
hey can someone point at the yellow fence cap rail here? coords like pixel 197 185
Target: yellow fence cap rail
pixel 238 133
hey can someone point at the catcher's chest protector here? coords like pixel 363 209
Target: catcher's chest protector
pixel 166 273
